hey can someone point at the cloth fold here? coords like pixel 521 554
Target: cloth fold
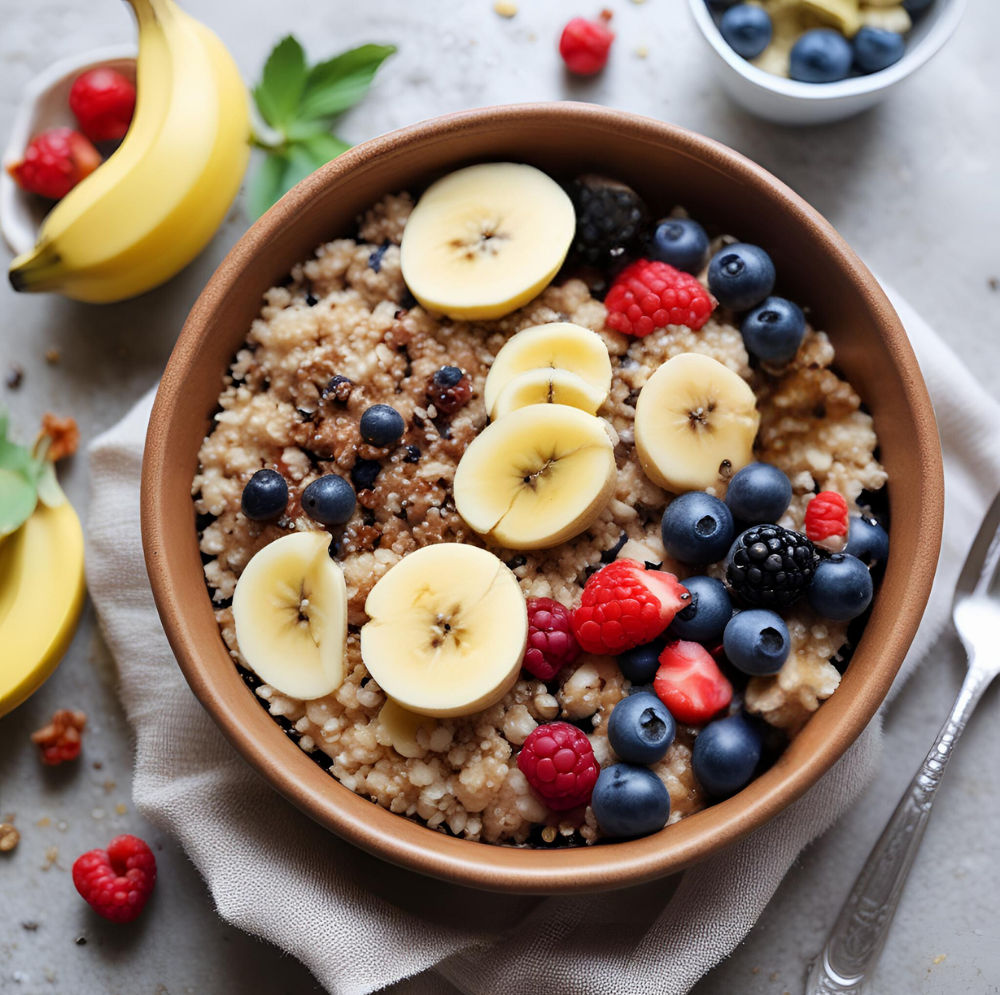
pixel 251 846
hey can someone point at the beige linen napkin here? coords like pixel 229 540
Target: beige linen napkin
pixel 359 924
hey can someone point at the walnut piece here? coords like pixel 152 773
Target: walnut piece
pixel 9 837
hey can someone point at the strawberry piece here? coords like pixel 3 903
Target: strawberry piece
pixel 54 162
pixel 116 883
pixel 690 683
pixel 826 521
pixel 624 605
pixel 103 101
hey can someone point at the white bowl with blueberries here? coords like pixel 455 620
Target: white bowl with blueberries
pixel 805 62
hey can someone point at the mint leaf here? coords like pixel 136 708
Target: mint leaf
pixel 339 83
pixel 280 90
pixel 268 184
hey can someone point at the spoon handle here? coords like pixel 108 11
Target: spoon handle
pixel 856 940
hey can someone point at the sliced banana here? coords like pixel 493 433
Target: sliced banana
pixel 889 17
pixel 486 239
pixel 558 345
pixel 695 421
pixel 536 477
pixel 548 387
pixel 842 14
pixel 448 629
pixel 401 726
pixel 290 609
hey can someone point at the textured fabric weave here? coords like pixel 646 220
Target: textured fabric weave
pixel 361 925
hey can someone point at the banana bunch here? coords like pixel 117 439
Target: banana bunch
pixel 153 206
pixel 41 570
pixel 790 19
pixel 544 469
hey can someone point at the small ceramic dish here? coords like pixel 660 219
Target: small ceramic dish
pixel 787 101
pixel 668 166
pixel 46 105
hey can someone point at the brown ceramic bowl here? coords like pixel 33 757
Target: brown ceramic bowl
pixel 669 166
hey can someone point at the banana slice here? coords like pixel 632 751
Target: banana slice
pixel 842 14
pixel 537 477
pixel 401 726
pixel 693 417
pixel 486 239
pixel 448 630
pixel 290 609
pixel 889 17
pixel 548 387
pixel 557 345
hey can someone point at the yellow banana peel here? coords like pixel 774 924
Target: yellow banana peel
pixel 153 206
pixel 41 596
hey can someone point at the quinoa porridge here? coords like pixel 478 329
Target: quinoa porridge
pixel 344 334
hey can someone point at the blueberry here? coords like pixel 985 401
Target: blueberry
pixel 704 620
pixel 841 588
pixel 265 496
pixel 868 541
pixel 382 425
pixel 915 6
pixel 679 242
pixel 773 331
pixel 757 642
pixel 820 56
pixel 640 665
pixel 448 376
pixel 876 48
pixel 726 754
pixel 364 473
pixel 747 29
pixel 641 729
pixel 329 500
pixel 741 276
pixel 759 494
pixel 630 801
pixel 412 454
pixel 697 528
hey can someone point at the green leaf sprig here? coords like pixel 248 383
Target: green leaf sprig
pixel 299 103
pixel 26 475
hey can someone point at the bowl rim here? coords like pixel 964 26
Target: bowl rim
pixel 414 846
pixel 924 50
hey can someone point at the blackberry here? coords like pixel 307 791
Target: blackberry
pixel 609 218
pixel 770 566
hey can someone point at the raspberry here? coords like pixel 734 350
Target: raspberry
pixel 61 739
pixel 559 763
pixel 690 683
pixel 103 101
pixel 449 389
pixel 54 162
pixel 648 295
pixel 624 606
pixel 116 883
pixel 826 521
pixel 584 44
pixel 551 643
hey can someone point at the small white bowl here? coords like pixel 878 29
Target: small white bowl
pixel 46 105
pixel 787 101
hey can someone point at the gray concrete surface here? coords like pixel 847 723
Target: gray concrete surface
pixel 912 186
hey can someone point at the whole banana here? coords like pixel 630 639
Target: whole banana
pixel 154 205
pixel 41 596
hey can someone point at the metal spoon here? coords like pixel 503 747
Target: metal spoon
pixel 848 960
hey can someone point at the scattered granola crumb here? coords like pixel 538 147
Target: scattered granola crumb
pixel 81 941
pixel 61 740
pixel 64 434
pixel 994 283
pixel 14 376
pixel 52 355
pixel 504 8
pixel 109 786
pixel 44 822
pixel 939 959
pixel 9 837
pixel 755 969
pixel 120 809
pixel 773 976
pixel 51 858
pixel 31 927
pixel 642 51
pixel 97 765
pixel 549 834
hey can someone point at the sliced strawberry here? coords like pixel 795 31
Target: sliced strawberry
pixel 690 683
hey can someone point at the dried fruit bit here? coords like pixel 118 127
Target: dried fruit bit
pixel 449 389
pixel 54 162
pixel 584 44
pixel 9 837
pixel 61 739
pixel 504 8
pixel 14 376
pixel 64 434
pixel 52 355
pixel 116 883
